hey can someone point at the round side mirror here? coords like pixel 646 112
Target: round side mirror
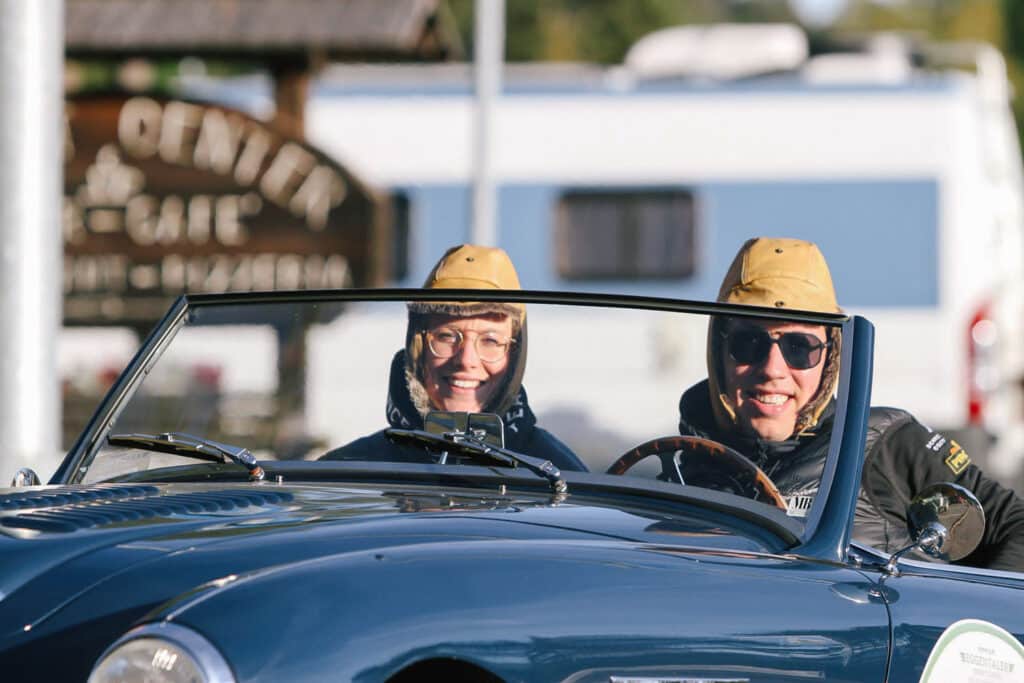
pixel 26 476
pixel 946 521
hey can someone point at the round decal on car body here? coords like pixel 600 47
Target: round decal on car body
pixel 973 650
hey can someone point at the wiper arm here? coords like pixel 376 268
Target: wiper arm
pixel 468 444
pixel 179 443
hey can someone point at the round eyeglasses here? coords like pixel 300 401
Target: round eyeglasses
pixel 490 347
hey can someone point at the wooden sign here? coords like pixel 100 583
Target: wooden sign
pixel 164 196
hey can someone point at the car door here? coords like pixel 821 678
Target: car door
pixel 952 623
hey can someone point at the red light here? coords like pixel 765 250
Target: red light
pixel 980 336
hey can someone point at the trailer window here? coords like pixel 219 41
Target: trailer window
pixel 399 236
pixel 632 234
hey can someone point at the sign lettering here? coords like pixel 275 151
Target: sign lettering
pixel 165 196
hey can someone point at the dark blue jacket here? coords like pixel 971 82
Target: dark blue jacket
pixel 521 431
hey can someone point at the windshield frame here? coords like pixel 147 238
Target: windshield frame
pixel 826 527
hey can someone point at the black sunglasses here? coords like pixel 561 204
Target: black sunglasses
pixel 751 345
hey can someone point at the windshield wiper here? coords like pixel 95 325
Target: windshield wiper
pixel 179 443
pixel 469 444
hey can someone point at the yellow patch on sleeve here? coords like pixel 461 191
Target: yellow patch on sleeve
pixel 957 460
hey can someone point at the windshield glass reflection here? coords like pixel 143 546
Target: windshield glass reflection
pixel 710 401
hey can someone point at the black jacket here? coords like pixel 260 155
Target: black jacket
pixel 902 456
pixel 521 431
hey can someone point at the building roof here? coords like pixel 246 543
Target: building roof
pixel 254 29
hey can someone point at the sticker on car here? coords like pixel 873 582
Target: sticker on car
pixel 974 650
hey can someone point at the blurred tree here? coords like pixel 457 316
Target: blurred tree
pixel 1013 28
pixel 940 19
pixel 607 28
pixel 976 21
pixel 1013 45
pixel 998 22
pixel 868 15
pixel 603 30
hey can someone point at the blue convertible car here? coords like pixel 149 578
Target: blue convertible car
pixel 354 486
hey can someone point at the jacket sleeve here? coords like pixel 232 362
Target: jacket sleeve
pixel 909 457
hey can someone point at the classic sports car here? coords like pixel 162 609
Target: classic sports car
pixel 263 496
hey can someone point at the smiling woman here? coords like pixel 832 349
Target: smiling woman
pixel 467 356
pixel 485 373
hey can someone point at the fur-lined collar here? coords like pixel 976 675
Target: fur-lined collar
pixel 696 419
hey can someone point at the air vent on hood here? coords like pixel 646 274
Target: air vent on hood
pixel 84 516
pixel 67 495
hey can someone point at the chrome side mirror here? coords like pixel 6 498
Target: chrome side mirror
pixel 26 476
pixel 486 427
pixel 945 521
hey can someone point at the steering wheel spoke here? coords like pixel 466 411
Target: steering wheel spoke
pixel 693 461
pixel 671 466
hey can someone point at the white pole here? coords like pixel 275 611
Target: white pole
pixel 489 56
pixel 31 193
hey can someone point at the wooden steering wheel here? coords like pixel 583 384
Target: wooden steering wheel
pixel 694 461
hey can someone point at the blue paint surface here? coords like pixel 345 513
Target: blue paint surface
pixel 596 84
pixel 880 237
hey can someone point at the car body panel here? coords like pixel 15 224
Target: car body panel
pixel 553 611
pixel 79 577
pixel 925 603
pixel 925 599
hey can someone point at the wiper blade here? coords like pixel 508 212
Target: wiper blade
pixel 179 443
pixel 468 444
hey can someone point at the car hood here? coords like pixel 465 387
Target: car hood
pixel 69 553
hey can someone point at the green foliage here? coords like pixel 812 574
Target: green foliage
pixel 1013 44
pixel 1013 28
pixel 607 27
pixel 585 30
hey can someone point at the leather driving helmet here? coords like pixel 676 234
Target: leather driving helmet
pixel 780 273
pixel 468 266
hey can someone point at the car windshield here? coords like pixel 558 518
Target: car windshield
pixel 600 389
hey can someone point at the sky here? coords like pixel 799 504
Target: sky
pixel 818 12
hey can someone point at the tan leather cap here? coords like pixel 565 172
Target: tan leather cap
pixel 780 273
pixel 469 266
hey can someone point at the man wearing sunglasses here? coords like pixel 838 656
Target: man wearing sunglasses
pixel 463 357
pixel 769 395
